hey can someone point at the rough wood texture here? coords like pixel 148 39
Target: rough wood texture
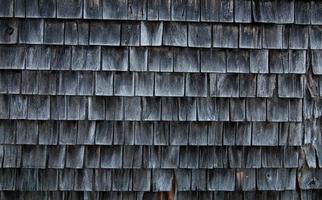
pixel 160 99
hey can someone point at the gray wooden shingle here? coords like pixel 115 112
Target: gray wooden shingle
pixel 316 62
pixel 86 58
pixel 196 84
pixel 123 84
pixel 12 57
pixel 175 34
pixel 9 31
pixel 107 33
pixel 315 35
pixel 265 134
pixel 115 10
pixel 221 180
pixel 316 8
pixel 238 61
pixel 115 59
pixel 31 31
pixel 199 35
pixel 130 34
pixel 225 35
pixel 290 86
pixel 7 8
pixel 93 9
pixel 144 84
pixel 250 36
pixel 151 109
pixel 169 84
pixel 151 33
pixel 138 59
pixel 70 9
pixel 275 37
pixel 243 11
pixel 277 110
pixel 54 32
pixel 160 59
pixel 104 83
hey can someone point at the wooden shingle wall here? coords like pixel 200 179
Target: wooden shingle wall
pixel 129 99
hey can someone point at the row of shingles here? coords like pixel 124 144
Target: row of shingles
pixel 156 133
pixel 299 12
pixel 167 157
pixel 151 180
pixel 159 59
pixel 206 35
pixel 34 107
pixel 180 195
pixel 77 195
pixel 83 83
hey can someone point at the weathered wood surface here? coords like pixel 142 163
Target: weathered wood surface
pixel 162 99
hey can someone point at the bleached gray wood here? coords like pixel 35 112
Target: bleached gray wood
pixel 153 9
pixel 207 110
pixel 86 58
pixel 92 157
pixel 36 8
pixel 244 133
pixel 316 60
pixel 165 9
pixel 115 59
pixel 210 10
pixel 93 9
pixel 34 157
pixel 18 107
pixel 170 157
pixel 189 157
pixel 179 133
pixel 60 58
pixel 26 132
pixel 290 86
pixel 215 131
pixel 104 83
pixel 151 33
pixel 114 108
pixel 250 36
pixel 169 84
pixel 38 57
pixel 70 9
pixel 284 17
pixel 179 10
pixel 77 108
pixel 136 9
pixel 199 35
pixel 265 134
pixel 175 34
pixel 256 109
pixel 67 83
pixel 75 33
pixel 206 160
pixel 226 13
pixel 143 133
pixel 161 133
pixel 58 107
pixel 29 82
pixel 258 61
pixel 144 84
pixel 115 9
pixel 247 85
pixel 225 35
pixel 221 180
pixel 198 179
pixel 111 157
pixel 315 34
pixel 107 33
pixel 102 179
pixel 130 34
pixel 132 157
pixel 7 8
pixel 12 156
pixel 67 133
pixel 295 110
pixel 236 158
pixel 75 156
pixel 141 180
pixel 187 109
pixel 31 31
pixel 238 61
pixel 83 180
pixel 85 83
pixel 186 60
pixel 151 109
pixel 243 11
pixel 212 60
pixel 277 110
pixel 272 157
pixel 161 180
pixel 299 36
pixel 196 85
pixel 138 59
pixel 302 12
pixel 227 86
pixel 198 134
pixel 183 178
pixel 265 85
pixel 54 32
pixel 275 37
pixel 229 133
pixel 47 132
pixel 291 157
pixel 309 179
pixel 237 110
pixel 104 132
pixel 160 59
pixel 124 84
pixel 297 62
pixel 12 57
pixel 7 134
pixel 132 108
pixel 279 61
pixel 86 132
pixel 316 8
pixel 9 31
pixel 39 107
